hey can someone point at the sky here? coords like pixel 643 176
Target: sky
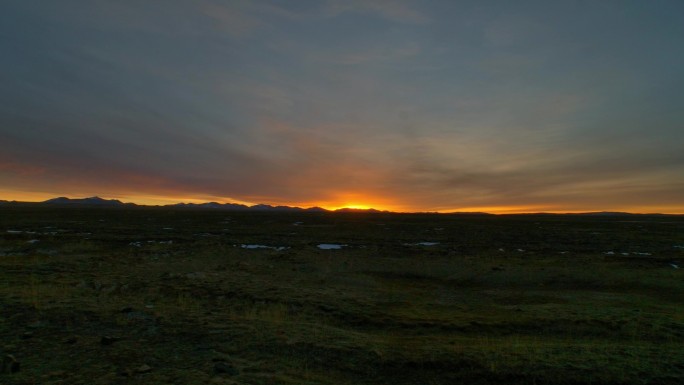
pixel 497 106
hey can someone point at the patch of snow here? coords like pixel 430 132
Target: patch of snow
pixel 678 246
pixel 279 248
pixel 33 241
pixel 297 223
pixel 422 244
pixel 167 228
pixel 521 250
pixel 609 253
pixel 136 244
pixel 502 250
pixel 641 253
pixel 330 246
pixel 14 231
pixel 674 265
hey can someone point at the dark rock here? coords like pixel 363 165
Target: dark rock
pixel 225 368
pixel 70 340
pixel 10 364
pixel 27 335
pixel 127 309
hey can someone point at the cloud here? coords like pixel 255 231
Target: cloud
pixel 383 54
pixel 25 170
pixel 232 19
pixel 397 11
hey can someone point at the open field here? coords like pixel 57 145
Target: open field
pixel 161 296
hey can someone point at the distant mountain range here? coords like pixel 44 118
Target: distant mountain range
pixel 100 202
pixel 239 207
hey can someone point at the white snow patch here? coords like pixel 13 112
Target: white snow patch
pixel 330 246
pixel 14 231
pixel 427 243
pixel 279 248
pixel 422 244
pixel 297 223
pixel 33 241
pixel 609 253
pixel 674 265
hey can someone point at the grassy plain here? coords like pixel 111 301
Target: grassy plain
pixel 162 296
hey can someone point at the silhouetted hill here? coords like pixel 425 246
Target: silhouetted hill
pixel 351 210
pixel 211 205
pixel 241 207
pixel 316 209
pixel 91 201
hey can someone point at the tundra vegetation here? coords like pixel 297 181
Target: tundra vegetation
pixel 183 296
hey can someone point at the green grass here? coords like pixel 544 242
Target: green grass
pixel 560 312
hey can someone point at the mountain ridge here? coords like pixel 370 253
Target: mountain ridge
pixel 101 202
pixel 96 201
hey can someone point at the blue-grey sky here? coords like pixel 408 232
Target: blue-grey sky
pixel 406 105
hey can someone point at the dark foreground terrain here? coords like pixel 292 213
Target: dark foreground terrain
pixel 162 296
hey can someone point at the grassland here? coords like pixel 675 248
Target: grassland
pixel 160 296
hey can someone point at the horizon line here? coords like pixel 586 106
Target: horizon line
pixel 352 208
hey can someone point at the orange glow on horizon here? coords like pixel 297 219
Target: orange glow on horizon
pixel 353 201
